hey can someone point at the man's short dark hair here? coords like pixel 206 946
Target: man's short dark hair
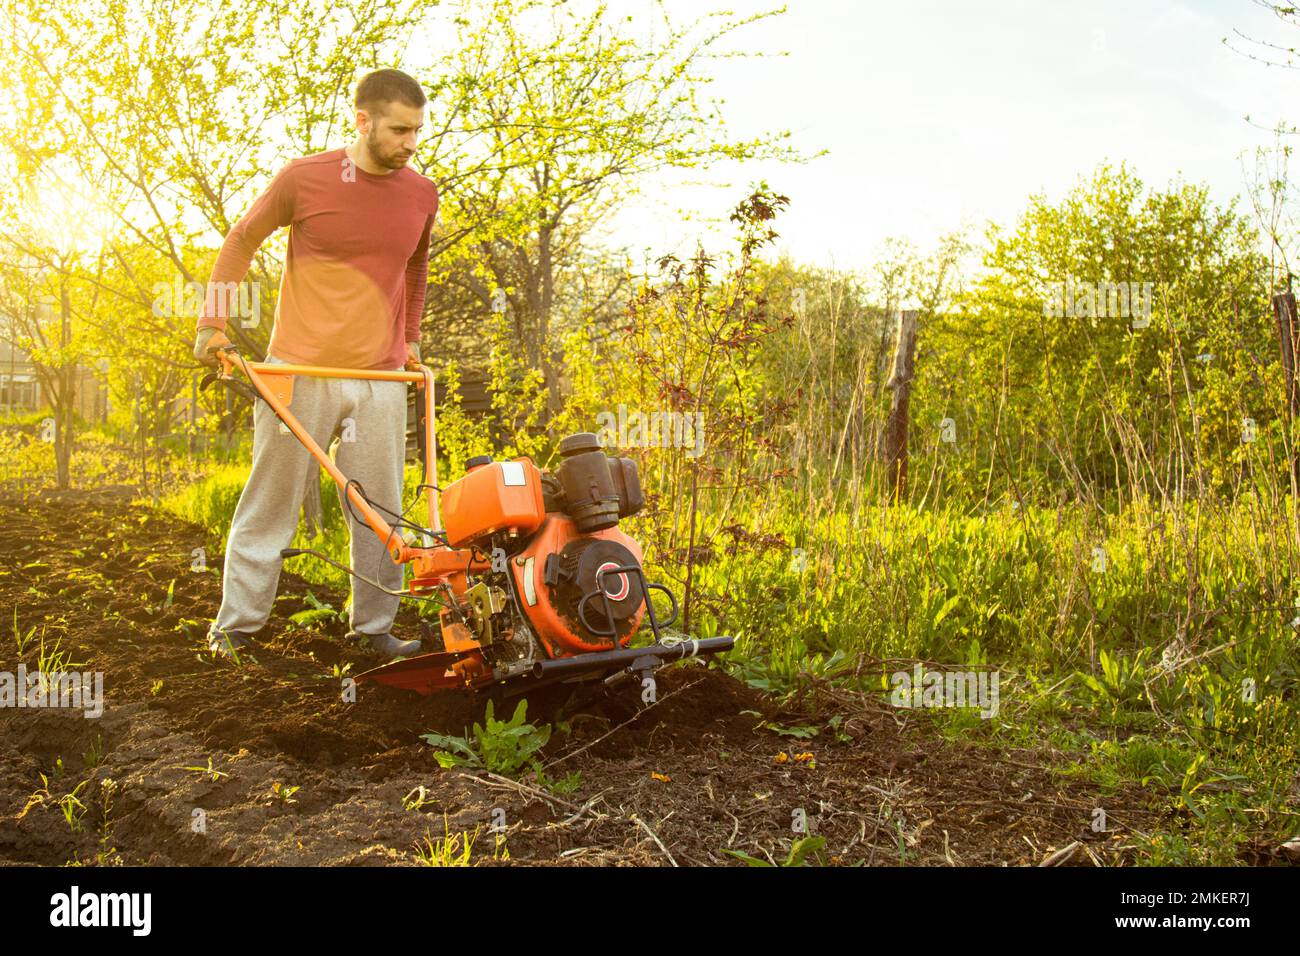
pixel 382 87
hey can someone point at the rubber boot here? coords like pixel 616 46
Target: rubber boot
pixel 225 643
pixel 392 647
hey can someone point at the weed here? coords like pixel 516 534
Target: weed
pixel 52 660
pixel 22 641
pixel 318 613
pixel 800 851
pixel 798 731
pixel 39 797
pixel 499 849
pixel 563 785
pixel 73 809
pixel 451 849
pixel 95 753
pixel 166 601
pixel 417 799
pixel 283 794
pixel 209 770
pixel 502 747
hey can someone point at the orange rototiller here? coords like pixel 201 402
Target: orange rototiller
pixel 536 581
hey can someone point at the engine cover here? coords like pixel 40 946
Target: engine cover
pixel 550 600
pixel 576 573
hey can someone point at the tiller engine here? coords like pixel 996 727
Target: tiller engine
pixel 536 580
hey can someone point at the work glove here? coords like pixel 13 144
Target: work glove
pixel 201 342
pixel 412 354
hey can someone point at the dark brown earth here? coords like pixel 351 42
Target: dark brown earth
pixel 677 782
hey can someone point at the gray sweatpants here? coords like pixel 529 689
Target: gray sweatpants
pixel 370 418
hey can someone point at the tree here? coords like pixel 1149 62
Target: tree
pixel 50 248
pixel 549 119
pixel 1093 392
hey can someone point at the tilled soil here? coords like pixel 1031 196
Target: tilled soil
pixel 183 765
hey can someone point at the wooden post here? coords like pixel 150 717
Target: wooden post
pixel 900 383
pixel 1285 314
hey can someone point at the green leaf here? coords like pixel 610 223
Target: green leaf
pixel 801 732
pixel 801 848
pixel 312 616
pixel 749 860
pixel 946 609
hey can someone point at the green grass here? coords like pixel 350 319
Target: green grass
pixel 1079 644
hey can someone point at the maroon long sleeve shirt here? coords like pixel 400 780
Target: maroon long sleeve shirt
pixel 355 275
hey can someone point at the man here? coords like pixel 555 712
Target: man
pixel 351 296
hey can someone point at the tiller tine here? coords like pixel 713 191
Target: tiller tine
pixel 424 673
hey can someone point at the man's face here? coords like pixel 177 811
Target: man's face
pixel 392 132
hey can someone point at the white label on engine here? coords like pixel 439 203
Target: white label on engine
pixel 512 472
pixel 530 589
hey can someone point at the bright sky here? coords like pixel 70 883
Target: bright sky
pixel 938 112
